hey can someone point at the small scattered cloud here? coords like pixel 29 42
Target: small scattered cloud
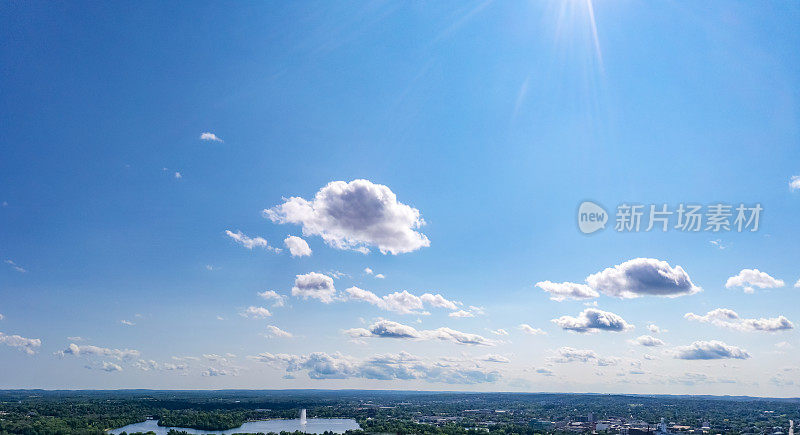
pixel 90 350
pixel 593 320
pixel 315 286
pixel 719 244
pixel 210 137
pixel 567 354
pixel 648 340
pixel 794 182
pixel 404 302
pixel 27 345
pixel 355 216
pixel 655 329
pixel 256 312
pixel 369 271
pixel 297 246
pixel 500 331
pixel 110 367
pixel 127 322
pixel 278 300
pixel 16 266
pixel 708 350
pixel 274 331
pixel 390 329
pixel 402 366
pixel 728 318
pixel 747 279
pixel 250 242
pixel 177 175
pixel 530 330
pixel 567 290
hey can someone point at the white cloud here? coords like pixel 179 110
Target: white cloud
pixel 110 367
pixel 400 302
pixel 567 290
pixel 495 358
pixel 388 367
pixel 271 295
pixel 438 301
pixel 461 313
pixel 653 328
pixel 714 349
pixel 27 345
pixel 177 175
pixel 501 331
pixel 783 345
pixel 211 371
pixel 593 320
pixel 256 312
pixel 16 266
pixel 90 350
pixel 528 329
pixel 390 329
pixel 369 271
pixel 314 285
pixel 250 242
pixel 568 354
pixel 749 278
pixel 355 216
pixel 797 284
pixel 794 182
pixel 127 322
pixel 274 331
pixel 210 137
pixel 648 340
pixel 728 318
pixel 718 243
pixel 643 277
pixel 297 246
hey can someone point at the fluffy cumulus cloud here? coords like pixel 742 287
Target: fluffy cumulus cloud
pixel 401 366
pixel 728 318
pixel 400 302
pixel 297 246
pixel 593 320
pixel 355 215
pixel 210 137
pixel 648 340
pixel 390 329
pixel 643 277
pixel 90 350
pixel 316 286
pixel 27 345
pixel 747 279
pixel 714 349
pixel 250 242
pixel 567 290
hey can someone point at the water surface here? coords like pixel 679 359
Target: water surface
pixel 313 425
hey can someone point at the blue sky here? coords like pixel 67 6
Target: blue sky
pixel 492 120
